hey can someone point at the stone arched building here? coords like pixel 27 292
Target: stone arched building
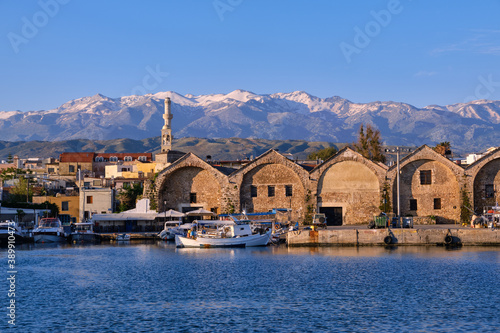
pixel 430 185
pixel 191 183
pixel 483 181
pixel 271 181
pixel 347 187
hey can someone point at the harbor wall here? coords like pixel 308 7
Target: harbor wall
pixel 361 237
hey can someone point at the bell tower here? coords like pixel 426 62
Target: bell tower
pixel 166 131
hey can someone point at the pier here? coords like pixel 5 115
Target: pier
pixel 357 236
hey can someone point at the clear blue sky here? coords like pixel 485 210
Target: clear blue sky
pixel 422 53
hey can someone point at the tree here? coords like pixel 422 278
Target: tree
pixel 369 144
pixel 10 158
pixel 128 196
pixel 18 192
pixel 322 154
pixel 443 148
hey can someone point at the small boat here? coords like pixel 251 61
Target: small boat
pixel 49 230
pixel 10 231
pixel 84 233
pixel 221 233
pixel 122 237
pixel 168 232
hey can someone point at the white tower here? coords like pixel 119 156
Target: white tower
pixel 166 131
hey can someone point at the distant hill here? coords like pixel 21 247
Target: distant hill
pixel 221 149
pixel 469 127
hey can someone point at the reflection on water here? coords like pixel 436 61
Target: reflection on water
pixel 156 287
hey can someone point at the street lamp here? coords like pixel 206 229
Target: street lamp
pixel 165 209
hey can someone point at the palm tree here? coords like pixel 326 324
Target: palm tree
pixel 443 148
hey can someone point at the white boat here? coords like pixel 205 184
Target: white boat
pixel 49 230
pixel 11 229
pixel 168 232
pixel 219 233
pixel 84 233
pixel 122 237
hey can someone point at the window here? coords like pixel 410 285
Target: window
pixel 425 177
pixel 437 203
pixel 86 184
pixel 50 170
pixel 288 190
pixel 413 204
pixel 192 197
pixel 489 191
pixel 64 218
pixel 253 191
pixel 113 159
pixel 270 191
pixel 71 168
pixel 143 158
pixel 99 159
pixel 127 158
pixel 96 182
pixel 90 199
pixel 65 205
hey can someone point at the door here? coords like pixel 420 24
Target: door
pixel 333 215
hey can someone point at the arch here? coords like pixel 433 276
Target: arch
pixel 349 188
pixel 428 187
pixel 486 185
pixel 275 185
pixel 177 189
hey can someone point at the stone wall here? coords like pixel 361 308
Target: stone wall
pixel 190 174
pixel 360 237
pixel 485 171
pixel 346 180
pixel 271 169
pixel 350 182
pixel 446 180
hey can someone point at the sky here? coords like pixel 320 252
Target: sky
pixel 417 52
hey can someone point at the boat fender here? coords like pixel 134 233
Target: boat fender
pixel 448 239
pixel 388 239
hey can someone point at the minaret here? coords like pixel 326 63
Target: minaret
pixel 166 131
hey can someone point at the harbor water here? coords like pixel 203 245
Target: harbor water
pixel 144 287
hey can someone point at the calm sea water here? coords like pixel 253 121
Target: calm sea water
pixel 156 287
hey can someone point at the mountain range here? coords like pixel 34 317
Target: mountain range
pixel 473 126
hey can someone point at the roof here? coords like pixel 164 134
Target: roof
pixel 224 170
pixel 77 157
pixel 121 156
pixel 124 217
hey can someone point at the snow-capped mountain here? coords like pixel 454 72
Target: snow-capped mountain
pixel 295 115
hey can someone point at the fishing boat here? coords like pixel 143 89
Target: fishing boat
pixel 221 233
pixel 84 233
pixel 49 230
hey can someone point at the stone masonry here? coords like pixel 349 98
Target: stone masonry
pixel 347 183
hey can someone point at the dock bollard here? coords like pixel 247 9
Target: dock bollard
pixel 448 239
